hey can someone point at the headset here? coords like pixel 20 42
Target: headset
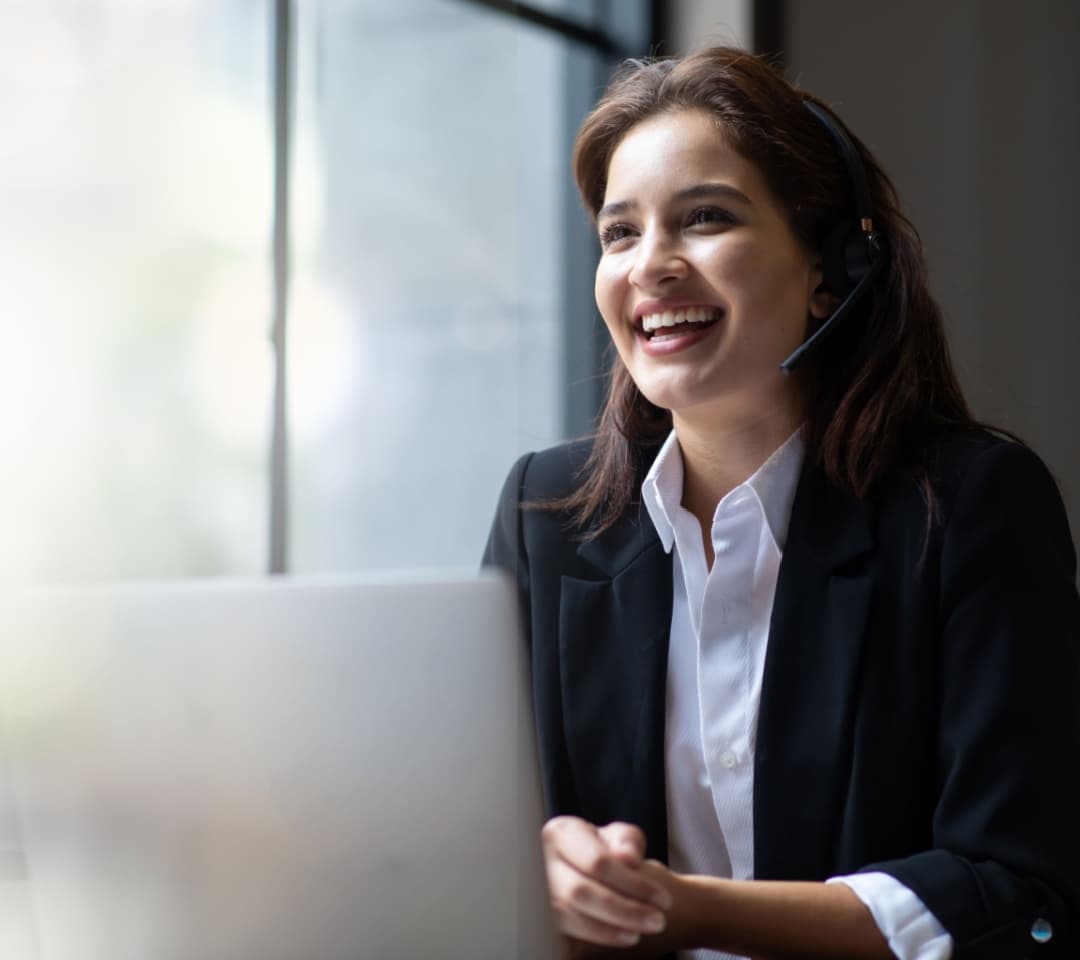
pixel 854 251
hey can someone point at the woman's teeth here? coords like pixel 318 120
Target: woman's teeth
pixel 671 318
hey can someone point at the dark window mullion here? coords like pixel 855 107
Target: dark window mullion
pixel 600 41
pixel 282 86
pixel 770 29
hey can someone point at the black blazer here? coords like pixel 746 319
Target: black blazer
pixel 920 706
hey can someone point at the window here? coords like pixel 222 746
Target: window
pixel 438 314
pixel 135 167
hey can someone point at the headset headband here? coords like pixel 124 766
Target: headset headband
pixel 856 171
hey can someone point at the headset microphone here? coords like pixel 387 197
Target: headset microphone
pixel 851 301
pixel 854 251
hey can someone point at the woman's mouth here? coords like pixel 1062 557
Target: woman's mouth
pixel 671 330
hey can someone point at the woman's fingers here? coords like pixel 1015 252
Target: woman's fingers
pixel 590 911
pixel 625 840
pixel 587 850
pixel 596 888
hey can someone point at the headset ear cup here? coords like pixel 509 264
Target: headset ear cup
pixel 857 254
pixel 834 260
pixel 846 258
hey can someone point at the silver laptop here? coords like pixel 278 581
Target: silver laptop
pixel 303 770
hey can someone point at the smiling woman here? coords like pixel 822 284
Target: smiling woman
pixel 807 628
pixel 689 224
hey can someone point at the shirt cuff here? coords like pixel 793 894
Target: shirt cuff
pixel 912 931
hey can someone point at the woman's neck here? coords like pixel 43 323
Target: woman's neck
pixel 718 456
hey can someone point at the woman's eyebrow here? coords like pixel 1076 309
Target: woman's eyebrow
pixel 616 209
pixel 699 191
pixel 706 191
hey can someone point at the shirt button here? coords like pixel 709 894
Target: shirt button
pixel 728 759
pixel 1042 931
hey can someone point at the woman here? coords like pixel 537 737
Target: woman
pixel 813 628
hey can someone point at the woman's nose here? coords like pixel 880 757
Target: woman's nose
pixel 659 260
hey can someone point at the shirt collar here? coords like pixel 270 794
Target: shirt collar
pixel 662 489
pixel 773 484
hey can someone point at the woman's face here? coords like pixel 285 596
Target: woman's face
pixel 702 284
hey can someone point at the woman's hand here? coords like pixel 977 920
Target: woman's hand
pixel 601 891
pixel 606 894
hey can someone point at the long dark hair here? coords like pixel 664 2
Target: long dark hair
pixel 879 384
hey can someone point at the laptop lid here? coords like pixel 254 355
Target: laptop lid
pixel 270 769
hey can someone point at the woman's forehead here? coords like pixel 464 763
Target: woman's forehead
pixel 671 151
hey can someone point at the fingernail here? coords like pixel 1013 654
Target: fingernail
pixel 627 938
pixel 655 922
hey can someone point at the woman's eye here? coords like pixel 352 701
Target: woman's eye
pixel 613 233
pixel 709 216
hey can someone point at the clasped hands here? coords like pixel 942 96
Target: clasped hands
pixel 606 895
pixel 604 892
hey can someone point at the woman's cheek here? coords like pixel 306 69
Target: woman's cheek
pixel 758 284
pixel 608 292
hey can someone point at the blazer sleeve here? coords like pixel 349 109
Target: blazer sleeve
pixel 505 548
pixel 1004 874
pixel 516 539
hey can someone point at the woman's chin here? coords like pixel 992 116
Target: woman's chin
pixel 719 400
pixel 685 391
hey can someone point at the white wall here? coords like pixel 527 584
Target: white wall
pixel 972 107
pixel 695 24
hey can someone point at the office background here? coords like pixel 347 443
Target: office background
pixel 288 284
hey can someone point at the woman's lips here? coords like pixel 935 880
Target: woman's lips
pixel 665 340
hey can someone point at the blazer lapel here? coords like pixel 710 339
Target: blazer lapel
pixel 819 620
pixel 614 631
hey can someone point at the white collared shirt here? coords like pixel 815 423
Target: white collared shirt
pixel 716 660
